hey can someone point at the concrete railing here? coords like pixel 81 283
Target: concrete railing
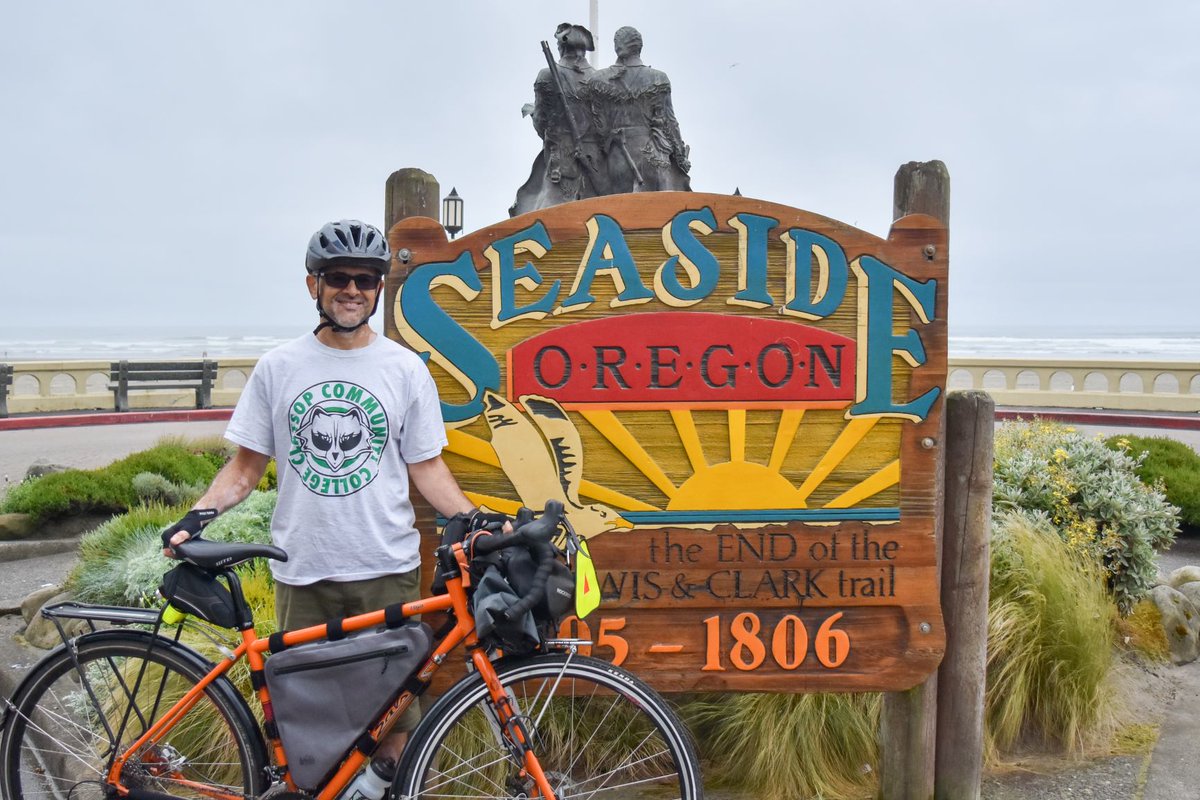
pixel 1123 385
pixel 49 386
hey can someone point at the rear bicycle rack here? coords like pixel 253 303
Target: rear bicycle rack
pixel 118 615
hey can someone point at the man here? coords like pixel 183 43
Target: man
pixel 632 113
pixel 566 169
pixel 351 418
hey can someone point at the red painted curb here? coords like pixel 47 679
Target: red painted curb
pixel 114 418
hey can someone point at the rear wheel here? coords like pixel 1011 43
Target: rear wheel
pixel 66 725
pixel 598 732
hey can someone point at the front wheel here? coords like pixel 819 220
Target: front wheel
pixel 68 721
pixel 597 731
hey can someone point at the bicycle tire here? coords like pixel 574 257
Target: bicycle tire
pixel 604 734
pixel 56 745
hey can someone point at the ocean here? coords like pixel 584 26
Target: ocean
pixel 112 343
pixel 141 343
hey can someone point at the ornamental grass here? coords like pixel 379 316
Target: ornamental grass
pixel 1051 633
pixel 780 746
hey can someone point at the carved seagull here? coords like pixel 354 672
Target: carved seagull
pixel 539 474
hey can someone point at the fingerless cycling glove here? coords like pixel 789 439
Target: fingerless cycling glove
pixel 193 522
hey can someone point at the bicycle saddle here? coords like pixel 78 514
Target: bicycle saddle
pixel 222 555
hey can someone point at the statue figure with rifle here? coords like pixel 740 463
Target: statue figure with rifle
pixel 571 163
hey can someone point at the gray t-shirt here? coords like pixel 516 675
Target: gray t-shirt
pixel 342 425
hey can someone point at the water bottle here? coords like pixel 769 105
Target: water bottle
pixel 370 784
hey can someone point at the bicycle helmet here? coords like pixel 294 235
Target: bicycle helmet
pixel 348 243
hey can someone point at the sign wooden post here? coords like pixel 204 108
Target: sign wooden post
pixel 966 570
pixel 908 724
pixel 740 404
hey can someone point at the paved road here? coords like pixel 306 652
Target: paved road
pixel 88 447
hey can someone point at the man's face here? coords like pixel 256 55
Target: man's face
pixel 348 304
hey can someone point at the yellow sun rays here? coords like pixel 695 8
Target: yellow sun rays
pixel 611 428
pixel 847 440
pixel 737 434
pixel 690 438
pixel 476 449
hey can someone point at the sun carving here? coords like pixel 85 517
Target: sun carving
pixel 538 446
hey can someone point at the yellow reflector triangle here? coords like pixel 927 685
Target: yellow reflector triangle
pixel 587 587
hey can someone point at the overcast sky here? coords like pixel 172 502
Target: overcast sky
pixel 167 162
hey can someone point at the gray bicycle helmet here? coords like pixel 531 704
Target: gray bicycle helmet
pixel 348 243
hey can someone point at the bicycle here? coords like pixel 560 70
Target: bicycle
pixel 126 711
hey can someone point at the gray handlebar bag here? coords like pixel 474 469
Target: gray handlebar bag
pixel 493 597
pixel 326 694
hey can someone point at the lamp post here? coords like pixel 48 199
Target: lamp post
pixel 452 213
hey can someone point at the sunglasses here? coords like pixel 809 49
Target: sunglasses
pixel 366 282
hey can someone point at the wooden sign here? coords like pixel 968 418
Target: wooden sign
pixel 738 402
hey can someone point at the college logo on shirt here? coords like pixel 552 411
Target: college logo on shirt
pixel 339 431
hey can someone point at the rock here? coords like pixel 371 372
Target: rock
pixel 42 467
pixel 42 633
pixel 1183 575
pixel 34 601
pixel 74 525
pixel 1191 590
pixel 16 526
pixel 1181 623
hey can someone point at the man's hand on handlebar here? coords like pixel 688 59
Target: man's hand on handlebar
pixel 190 526
pixel 485 520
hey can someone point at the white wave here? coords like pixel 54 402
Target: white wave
pixel 1131 348
pixel 104 344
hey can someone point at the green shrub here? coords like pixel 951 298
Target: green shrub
pixel 150 487
pixel 215 449
pixel 248 521
pixel 102 575
pixel 779 746
pixel 1171 462
pixel 65 494
pixel 1092 497
pixel 122 562
pixel 270 478
pixel 111 489
pixel 1050 639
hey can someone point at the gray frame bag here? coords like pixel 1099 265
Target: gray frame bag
pixel 325 694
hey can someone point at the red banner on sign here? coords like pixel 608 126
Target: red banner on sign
pixel 686 359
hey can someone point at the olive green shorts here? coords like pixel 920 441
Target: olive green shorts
pixel 317 603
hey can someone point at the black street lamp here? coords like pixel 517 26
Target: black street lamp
pixel 452 213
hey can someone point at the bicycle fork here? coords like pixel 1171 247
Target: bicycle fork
pixel 511 728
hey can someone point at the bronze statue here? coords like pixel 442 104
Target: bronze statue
pixel 571 164
pixel 603 131
pixel 630 106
